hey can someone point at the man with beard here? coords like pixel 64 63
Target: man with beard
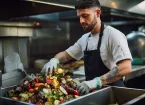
pixel 105 50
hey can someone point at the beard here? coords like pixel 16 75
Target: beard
pixel 89 27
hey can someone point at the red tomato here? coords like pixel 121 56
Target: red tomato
pixel 66 87
pixel 76 92
pixel 93 90
pixel 61 101
pixel 36 89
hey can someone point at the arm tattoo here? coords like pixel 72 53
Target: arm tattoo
pixel 111 76
pixel 63 59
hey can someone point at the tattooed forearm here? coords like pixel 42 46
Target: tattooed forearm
pixel 63 57
pixel 111 76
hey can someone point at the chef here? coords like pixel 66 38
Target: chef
pixel 107 57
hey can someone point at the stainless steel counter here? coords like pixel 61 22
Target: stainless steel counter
pixel 137 70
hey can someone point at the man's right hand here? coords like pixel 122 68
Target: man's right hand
pixel 48 67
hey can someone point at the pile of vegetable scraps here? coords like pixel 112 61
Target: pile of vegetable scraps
pixel 52 89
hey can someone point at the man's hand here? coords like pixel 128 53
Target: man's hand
pixel 86 86
pixel 48 67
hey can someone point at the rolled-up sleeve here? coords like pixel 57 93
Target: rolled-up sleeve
pixel 119 46
pixel 75 51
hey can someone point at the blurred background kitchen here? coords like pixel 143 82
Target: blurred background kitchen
pixel 35 30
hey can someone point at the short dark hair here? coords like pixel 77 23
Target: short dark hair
pixel 83 4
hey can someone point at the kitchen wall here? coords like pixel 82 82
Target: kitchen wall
pixel 46 42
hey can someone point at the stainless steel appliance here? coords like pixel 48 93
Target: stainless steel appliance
pixel 136 42
pixel 14 37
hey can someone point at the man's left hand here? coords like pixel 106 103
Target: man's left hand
pixel 86 86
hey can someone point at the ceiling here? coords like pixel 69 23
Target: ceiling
pixel 126 5
pixel 19 8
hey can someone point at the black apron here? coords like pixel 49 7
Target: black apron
pixel 94 67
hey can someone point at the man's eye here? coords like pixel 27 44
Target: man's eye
pixel 85 16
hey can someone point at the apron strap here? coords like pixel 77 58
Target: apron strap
pixel 87 43
pixel 101 34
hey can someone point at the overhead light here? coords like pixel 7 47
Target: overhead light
pixel 139 8
pixel 51 3
pixel 113 4
pixel 141 5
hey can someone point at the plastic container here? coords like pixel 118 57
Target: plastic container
pixel 12 62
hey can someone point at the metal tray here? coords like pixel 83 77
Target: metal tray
pixel 5 100
pixel 108 96
pixel 8 101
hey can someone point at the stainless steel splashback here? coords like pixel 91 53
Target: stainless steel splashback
pixel 47 41
pixel 1 55
pixel 17 45
pixel 18 29
pixel 14 37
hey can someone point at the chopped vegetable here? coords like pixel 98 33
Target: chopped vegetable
pixel 31 90
pixel 36 89
pixel 48 103
pixel 59 71
pixel 61 101
pixel 56 102
pixel 45 90
pixel 55 83
pixel 37 79
pixel 76 92
pixel 54 89
pixel 15 98
pixel 39 84
pixel 11 93
pixel 63 90
pixel 63 80
pixel 49 81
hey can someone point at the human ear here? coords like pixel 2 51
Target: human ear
pixel 98 12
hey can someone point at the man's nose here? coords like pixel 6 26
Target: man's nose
pixel 82 20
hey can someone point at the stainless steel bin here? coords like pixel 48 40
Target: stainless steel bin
pixel 0 82
pixel 5 100
pixel 108 96
pixel 13 78
pixel 137 101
